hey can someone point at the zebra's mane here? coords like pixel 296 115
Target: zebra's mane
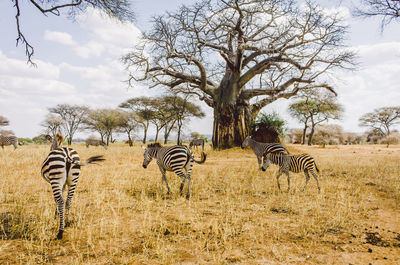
pixel 154 145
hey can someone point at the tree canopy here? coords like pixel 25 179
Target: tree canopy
pixel 388 10
pixel 4 121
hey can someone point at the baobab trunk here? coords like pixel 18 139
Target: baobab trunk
pixel 232 123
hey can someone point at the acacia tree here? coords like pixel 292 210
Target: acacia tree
pixel 381 119
pixel 144 108
pixel 181 110
pixel 119 9
pixel 240 55
pixel 128 124
pixel 52 124
pixel 388 10
pixel 314 111
pixel 72 117
pixel 4 121
pixel 104 121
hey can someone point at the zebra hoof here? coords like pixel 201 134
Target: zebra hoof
pixel 60 235
pixel 263 169
pixel 188 197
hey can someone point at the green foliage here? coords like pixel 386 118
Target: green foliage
pixel 271 121
pixel 25 141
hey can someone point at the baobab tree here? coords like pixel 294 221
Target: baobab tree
pixel 119 9
pixel 240 55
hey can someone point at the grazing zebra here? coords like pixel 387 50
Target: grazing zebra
pixel 197 142
pixel 172 158
pixel 95 142
pixel 261 149
pixel 9 140
pixel 61 168
pixel 294 163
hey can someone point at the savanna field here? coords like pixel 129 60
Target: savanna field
pixel 121 213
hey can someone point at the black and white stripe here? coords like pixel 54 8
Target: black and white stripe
pixel 294 163
pixel 62 168
pixel 174 158
pixel 9 140
pixel 262 149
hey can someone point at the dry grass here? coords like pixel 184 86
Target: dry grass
pixel 121 215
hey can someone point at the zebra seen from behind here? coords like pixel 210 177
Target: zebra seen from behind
pixel 9 140
pixel 95 142
pixel 62 168
pixel 261 149
pixel 172 158
pixel 197 142
pixel 294 163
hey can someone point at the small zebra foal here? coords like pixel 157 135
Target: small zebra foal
pixel 172 158
pixel 294 163
pixel 261 149
pixel 9 140
pixel 61 168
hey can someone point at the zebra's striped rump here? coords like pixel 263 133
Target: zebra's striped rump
pixel 173 158
pixel 293 163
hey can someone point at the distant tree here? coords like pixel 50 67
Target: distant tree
pixel 194 135
pixel 313 111
pixel 381 119
pixel 329 134
pixel 388 10
pixel 72 117
pixel 393 138
pixel 181 110
pixel 128 124
pixel 4 121
pixel 119 9
pixel 52 124
pixel 104 121
pixel 144 108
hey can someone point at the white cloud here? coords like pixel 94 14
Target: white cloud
pixel 59 37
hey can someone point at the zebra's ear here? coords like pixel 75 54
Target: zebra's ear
pixel 143 147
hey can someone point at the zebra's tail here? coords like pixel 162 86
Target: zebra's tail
pixel 203 158
pixel 316 167
pixel 91 160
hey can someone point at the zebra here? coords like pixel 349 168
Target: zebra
pixel 9 140
pixel 294 163
pixel 95 142
pixel 261 149
pixel 61 168
pixel 197 142
pixel 172 158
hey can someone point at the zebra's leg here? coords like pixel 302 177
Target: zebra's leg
pixel 188 170
pixel 288 180
pixel 277 178
pixel 164 178
pixel 71 191
pixel 316 178
pixel 307 179
pixel 182 175
pixel 15 146
pixel 57 192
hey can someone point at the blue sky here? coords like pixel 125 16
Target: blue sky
pixel 78 62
